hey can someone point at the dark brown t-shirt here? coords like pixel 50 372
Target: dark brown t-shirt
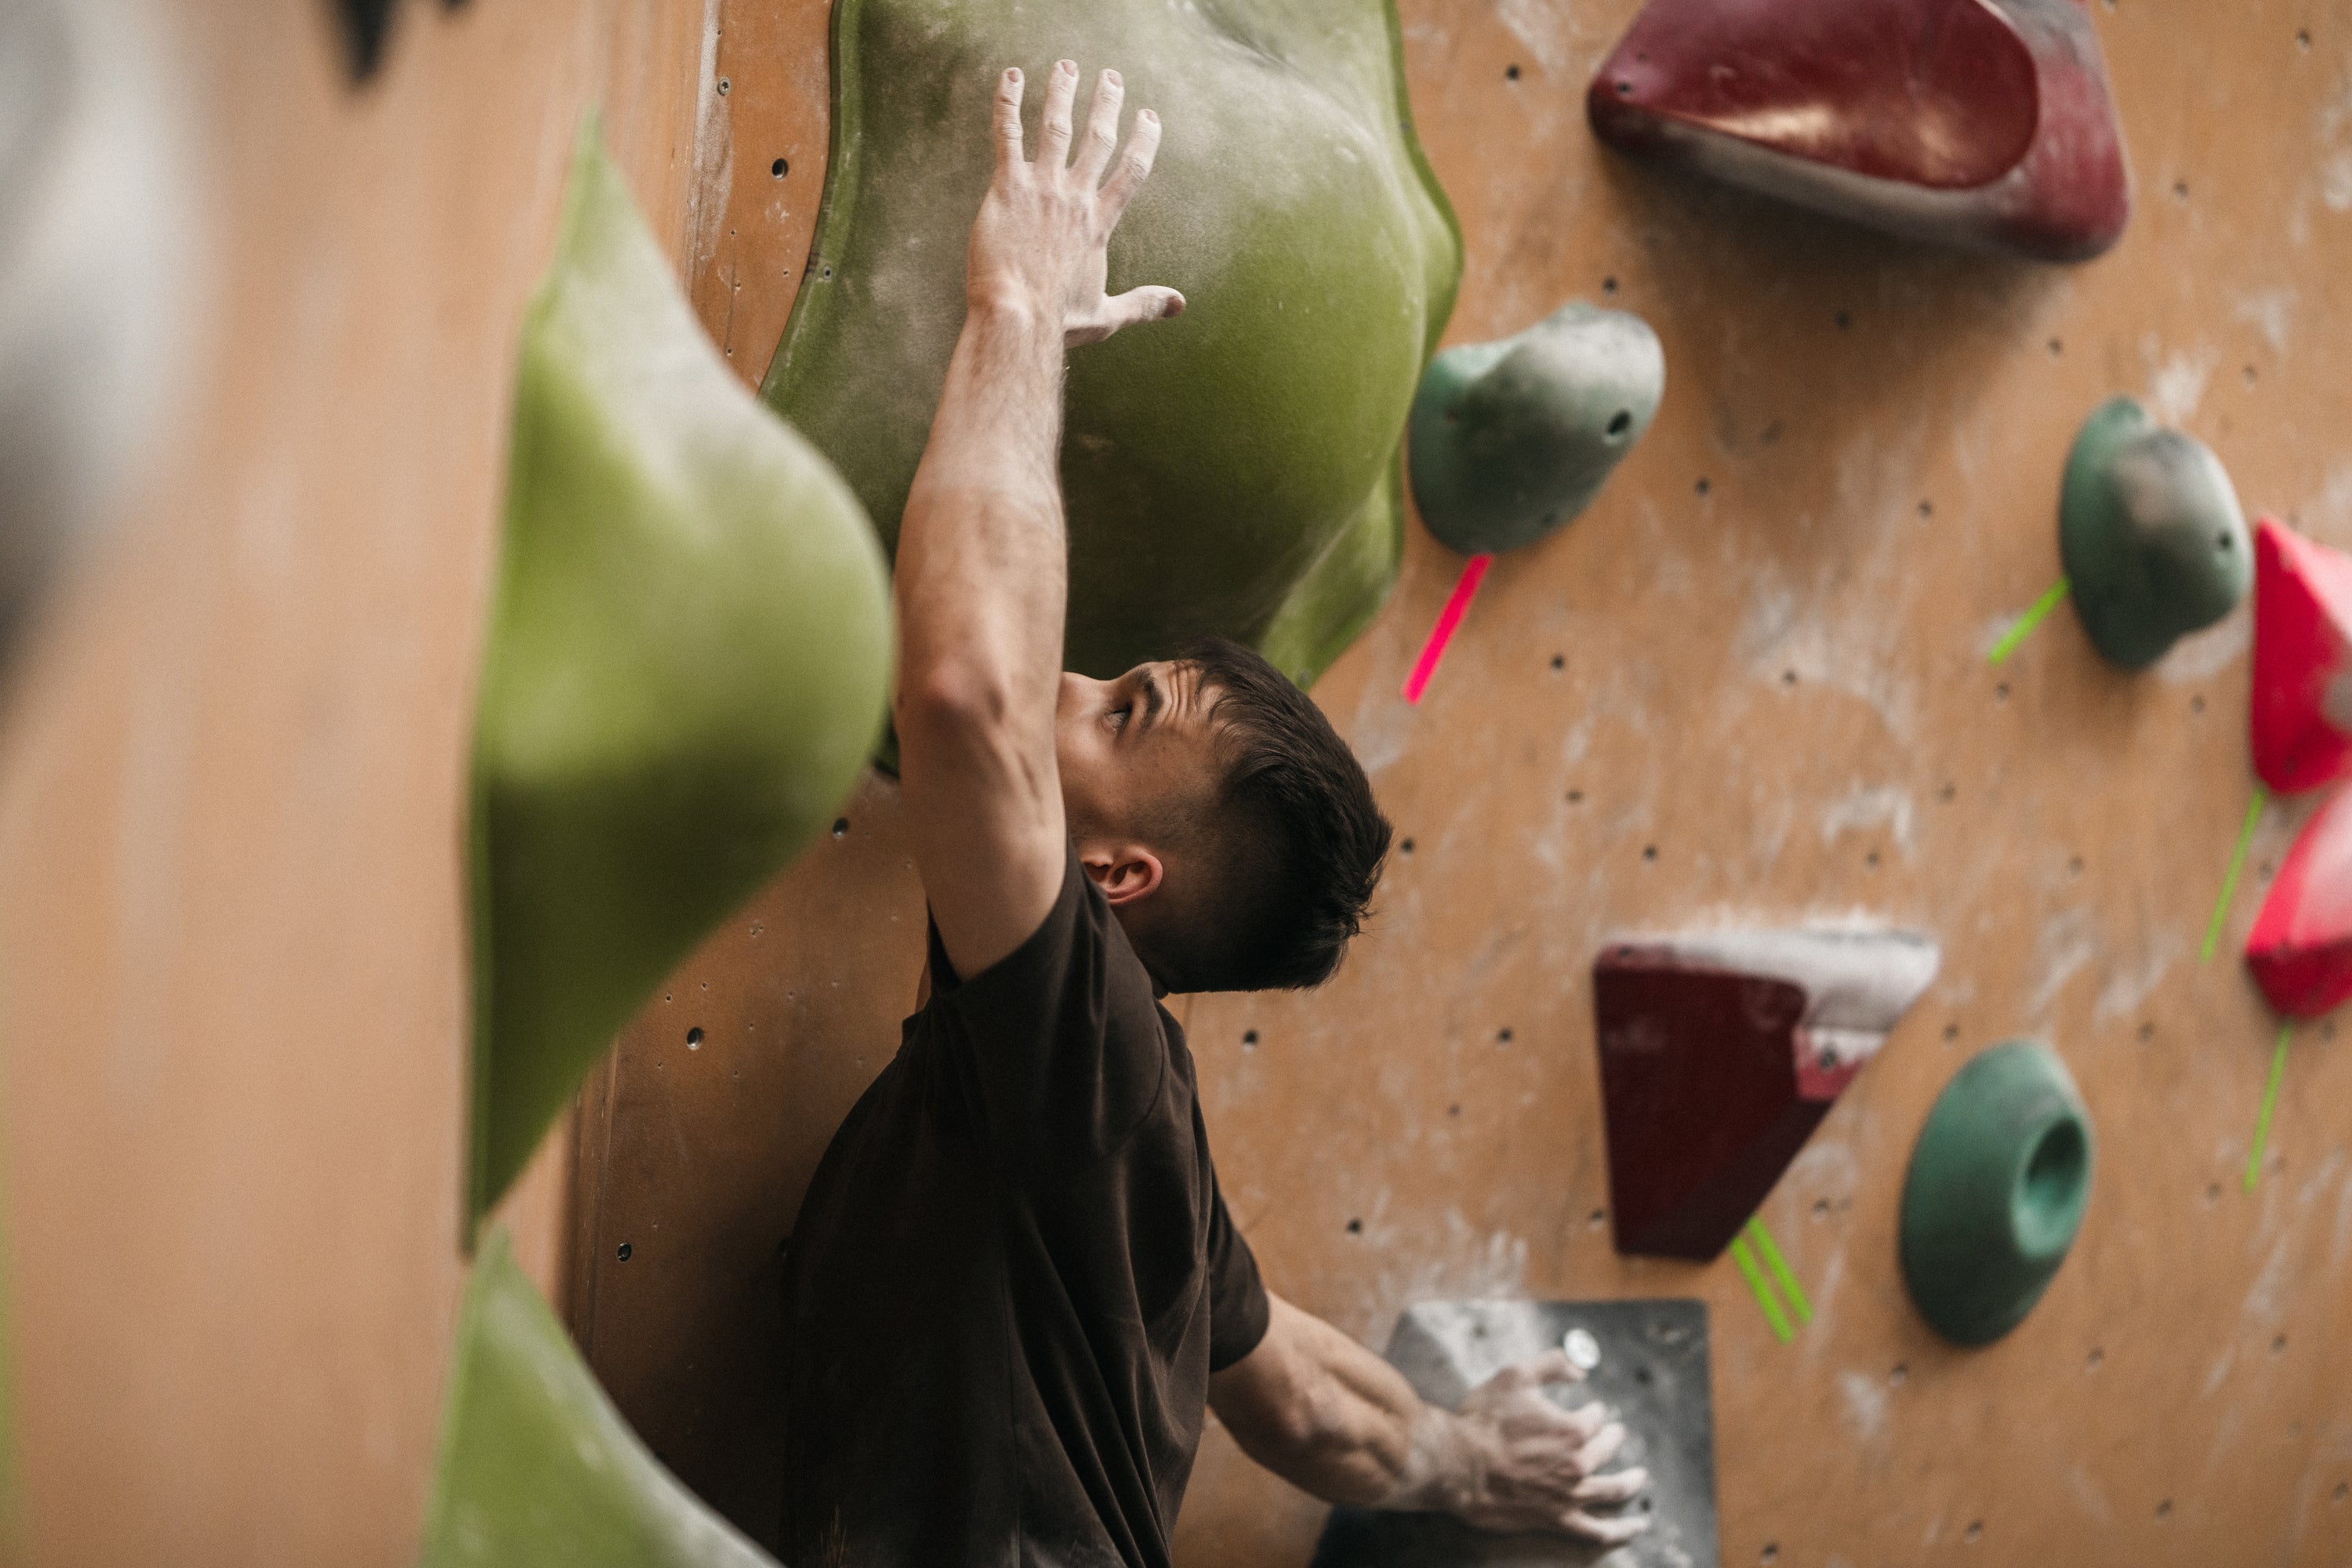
pixel 1011 1276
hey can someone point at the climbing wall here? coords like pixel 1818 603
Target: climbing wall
pixel 233 959
pixel 1749 687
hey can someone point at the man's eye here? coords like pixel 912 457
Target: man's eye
pixel 1120 715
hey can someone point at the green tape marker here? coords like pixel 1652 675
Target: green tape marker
pixel 1781 1271
pixel 1764 1296
pixel 2027 622
pixel 2270 1103
pixel 2237 864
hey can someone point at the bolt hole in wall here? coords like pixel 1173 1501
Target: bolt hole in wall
pixel 694 1038
pixel 779 168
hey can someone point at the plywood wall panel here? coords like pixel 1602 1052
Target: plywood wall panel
pixel 1748 685
pixel 233 997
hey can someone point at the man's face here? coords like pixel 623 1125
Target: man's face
pixel 1129 750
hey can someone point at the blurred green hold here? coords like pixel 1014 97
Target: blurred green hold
pixel 1509 440
pixel 536 1469
pixel 1998 1182
pixel 687 664
pixel 1233 471
pixel 2149 529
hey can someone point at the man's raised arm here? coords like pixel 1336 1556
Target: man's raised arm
pixel 982 576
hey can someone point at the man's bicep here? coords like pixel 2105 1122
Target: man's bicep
pixel 984 820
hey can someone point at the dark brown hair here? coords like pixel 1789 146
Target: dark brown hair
pixel 1292 839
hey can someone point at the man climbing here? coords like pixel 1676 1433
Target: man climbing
pixel 1013 1287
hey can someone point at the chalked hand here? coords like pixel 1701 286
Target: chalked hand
pixel 1538 1466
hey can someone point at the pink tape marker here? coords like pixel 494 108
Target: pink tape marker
pixel 1457 604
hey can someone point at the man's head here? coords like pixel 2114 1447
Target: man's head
pixel 1232 831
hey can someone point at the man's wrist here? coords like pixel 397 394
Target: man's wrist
pixel 1007 308
pixel 1448 1469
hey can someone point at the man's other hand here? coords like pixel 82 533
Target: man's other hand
pixel 1534 1465
pixel 1039 247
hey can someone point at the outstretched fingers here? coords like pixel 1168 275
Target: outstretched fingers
pixel 1053 139
pixel 1008 120
pixel 1102 130
pixel 1134 167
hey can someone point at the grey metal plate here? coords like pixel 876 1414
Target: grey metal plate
pixel 1653 1369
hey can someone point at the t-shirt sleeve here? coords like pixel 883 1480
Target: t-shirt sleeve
pixel 1238 1312
pixel 1065 1050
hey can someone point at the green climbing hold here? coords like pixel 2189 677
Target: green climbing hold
pixel 536 1469
pixel 2150 528
pixel 1996 1191
pixel 1509 440
pixel 1233 471
pixel 686 666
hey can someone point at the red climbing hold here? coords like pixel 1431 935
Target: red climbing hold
pixel 1720 1054
pixel 2301 947
pixel 1985 124
pixel 2303 660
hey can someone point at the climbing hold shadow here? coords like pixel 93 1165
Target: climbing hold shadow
pixel 1720 1053
pixel 1234 471
pixel 2149 529
pixel 1509 440
pixel 687 665
pixel 2300 950
pixel 1996 1191
pixel 535 1467
pixel 1983 124
pixel 2302 714
pixel 1654 1371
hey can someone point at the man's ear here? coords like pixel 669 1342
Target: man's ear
pixel 1125 872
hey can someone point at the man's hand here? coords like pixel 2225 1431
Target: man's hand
pixel 1039 248
pixel 1332 1418
pixel 1534 1465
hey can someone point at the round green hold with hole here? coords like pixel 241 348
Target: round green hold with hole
pixel 2150 530
pixel 1509 440
pixel 1995 1196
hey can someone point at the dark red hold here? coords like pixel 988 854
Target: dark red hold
pixel 1984 123
pixel 1704 1102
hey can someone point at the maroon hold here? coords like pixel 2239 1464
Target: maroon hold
pixel 1984 123
pixel 1720 1053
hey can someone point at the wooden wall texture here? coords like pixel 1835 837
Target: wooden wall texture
pixel 1748 685
pixel 233 998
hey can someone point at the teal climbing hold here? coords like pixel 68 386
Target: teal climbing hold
pixel 536 1469
pixel 2148 526
pixel 1509 440
pixel 686 666
pixel 1233 471
pixel 1996 1191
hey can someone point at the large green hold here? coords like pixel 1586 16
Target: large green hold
pixel 2150 531
pixel 1230 471
pixel 1998 1182
pixel 1511 439
pixel 688 663
pixel 536 1469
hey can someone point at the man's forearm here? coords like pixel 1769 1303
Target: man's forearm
pixel 1336 1421
pixel 981 575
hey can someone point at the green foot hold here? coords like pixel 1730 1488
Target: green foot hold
pixel 2150 528
pixel 1511 439
pixel 686 666
pixel 536 1469
pixel 1233 471
pixel 1996 1192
